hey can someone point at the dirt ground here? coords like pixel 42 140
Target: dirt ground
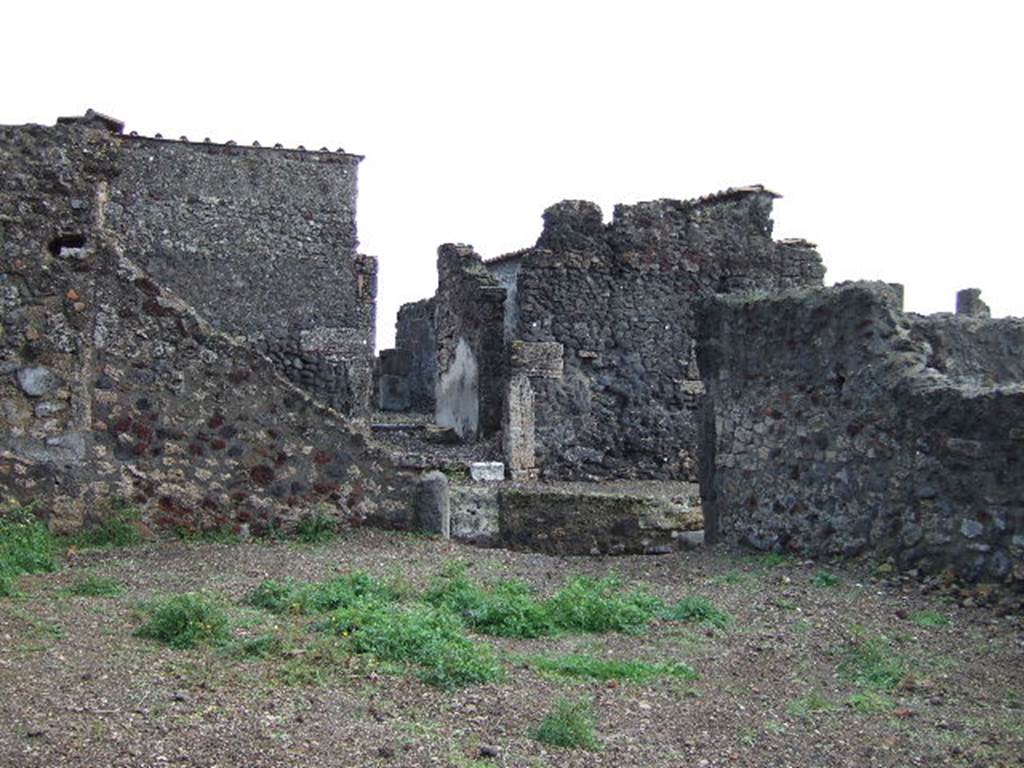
pixel 78 689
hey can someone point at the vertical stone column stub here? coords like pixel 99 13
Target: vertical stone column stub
pixel 528 360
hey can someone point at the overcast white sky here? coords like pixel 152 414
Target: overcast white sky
pixel 893 130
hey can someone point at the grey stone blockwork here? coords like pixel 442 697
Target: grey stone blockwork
pixel 414 333
pixel 263 244
pixel 621 299
pixel 864 429
pixel 469 322
pixel 113 386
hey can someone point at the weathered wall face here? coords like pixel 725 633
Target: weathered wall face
pixel 505 269
pixel 621 300
pixel 971 349
pixel 112 386
pixel 843 439
pixel 263 243
pixel 469 320
pixel 414 333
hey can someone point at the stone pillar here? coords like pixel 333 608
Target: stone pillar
pixel 433 510
pixel 969 303
pixel 529 360
pixel 517 435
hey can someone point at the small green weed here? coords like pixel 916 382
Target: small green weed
pixel 697 609
pixel 869 703
pixel 870 662
pixel 26 546
pixel 814 703
pixel 186 620
pixel 116 527
pixel 262 646
pixel 316 529
pixel 825 579
pixel 593 668
pixel 930 619
pixel 770 560
pixel 95 586
pixel 570 724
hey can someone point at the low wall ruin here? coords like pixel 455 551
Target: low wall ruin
pixel 834 424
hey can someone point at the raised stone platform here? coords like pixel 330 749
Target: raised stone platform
pixel 635 517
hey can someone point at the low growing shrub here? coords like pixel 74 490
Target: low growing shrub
pixel 432 638
pixel 697 609
pixel 509 609
pixel 570 724
pixel 306 598
pixel 95 586
pixel 870 662
pixel 586 604
pixel 26 546
pixel 186 620
pixel 115 528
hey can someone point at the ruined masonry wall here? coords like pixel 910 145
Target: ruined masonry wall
pixel 469 317
pixel 414 333
pixel 112 386
pixel 263 244
pixel 621 300
pixel 846 440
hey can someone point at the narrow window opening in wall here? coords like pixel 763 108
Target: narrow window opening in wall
pixel 62 244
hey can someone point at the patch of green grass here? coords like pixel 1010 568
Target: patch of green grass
pixel 38 628
pixel 186 620
pixel 930 619
pixel 869 703
pixel 95 586
pixel 508 609
pixel 431 638
pixel 304 598
pixel 697 609
pixel 316 664
pixel 225 534
pixel 570 724
pixel 870 662
pixel 593 668
pixel 814 703
pixel 733 577
pixel 825 579
pixel 263 646
pixel 26 546
pixel 316 529
pixel 770 560
pixel 116 527
pixel 593 605
pixel 511 609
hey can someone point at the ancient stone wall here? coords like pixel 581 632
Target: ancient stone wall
pixel 263 243
pixel 414 333
pixel 112 386
pixel 828 430
pixel 621 298
pixel 469 321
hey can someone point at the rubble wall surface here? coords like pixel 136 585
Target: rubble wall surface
pixel 621 300
pixel 828 430
pixel 113 387
pixel 262 243
pixel 414 333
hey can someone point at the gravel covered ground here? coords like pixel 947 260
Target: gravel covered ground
pixel 80 690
